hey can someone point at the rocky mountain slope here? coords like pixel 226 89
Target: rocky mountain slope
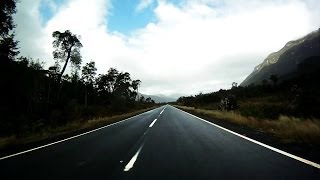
pixel 287 62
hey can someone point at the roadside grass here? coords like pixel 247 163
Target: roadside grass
pixel 288 129
pixel 75 126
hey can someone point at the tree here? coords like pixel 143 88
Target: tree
pixel 75 68
pixel 8 46
pixel 135 86
pixel 142 99
pixel 105 82
pixel 234 85
pixel 88 73
pixel 148 100
pixel 111 79
pixel 7 9
pixel 117 88
pixel 67 48
pixel 122 84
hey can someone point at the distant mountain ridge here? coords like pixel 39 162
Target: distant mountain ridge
pixel 159 98
pixel 285 62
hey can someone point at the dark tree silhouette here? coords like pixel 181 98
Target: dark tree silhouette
pixel 8 46
pixel 7 9
pixel 148 100
pixel 67 48
pixel 142 99
pixel 88 73
pixel 135 86
pixel 234 85
pixel 27 101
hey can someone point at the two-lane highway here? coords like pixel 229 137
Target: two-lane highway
pixel 164 143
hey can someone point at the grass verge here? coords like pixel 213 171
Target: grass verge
pixel 67 129
pixel 287 129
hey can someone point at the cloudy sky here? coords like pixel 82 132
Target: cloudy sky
pixel 175 47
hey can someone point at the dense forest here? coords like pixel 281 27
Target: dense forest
pixel 33 97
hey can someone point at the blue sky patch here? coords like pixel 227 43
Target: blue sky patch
pixel 47 9
pixel 124 17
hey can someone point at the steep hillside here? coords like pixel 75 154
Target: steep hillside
pixel 285 63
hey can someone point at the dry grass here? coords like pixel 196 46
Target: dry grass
pixel 75 126
pixel 289 129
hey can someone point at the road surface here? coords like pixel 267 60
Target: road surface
pixel 164 143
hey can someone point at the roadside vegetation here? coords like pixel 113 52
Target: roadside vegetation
pixel 289 109
pixel 288 129
pixel 36 103
pixel 66 129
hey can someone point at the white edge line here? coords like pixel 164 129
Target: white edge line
pixel 260 143
pixel 133 160
pixel 154 121
pixel 40 147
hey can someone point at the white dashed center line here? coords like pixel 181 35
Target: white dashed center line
pixel 154 121
pixel 133 160
pixel 162 110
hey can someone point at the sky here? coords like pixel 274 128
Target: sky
pixel 175 47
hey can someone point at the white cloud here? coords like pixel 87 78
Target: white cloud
pixel 29 30
pixel 198 46
pixel 144 4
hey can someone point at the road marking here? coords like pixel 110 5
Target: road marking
pixel 133 160
pixel 162 110
pixel 154 121
pixel 50 144
pixel 260 143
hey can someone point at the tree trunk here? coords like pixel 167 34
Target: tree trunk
pixel 63 69
pixel 65 65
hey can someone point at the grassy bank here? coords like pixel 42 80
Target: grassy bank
pixel 69 128
pixel 288 129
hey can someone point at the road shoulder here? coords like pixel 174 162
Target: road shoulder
pixel 307 151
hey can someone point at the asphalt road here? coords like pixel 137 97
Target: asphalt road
pixel 175 146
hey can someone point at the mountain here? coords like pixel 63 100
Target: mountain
pixel 288 61
pixel 160 98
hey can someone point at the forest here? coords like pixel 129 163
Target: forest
pixel 297 97
pixel 33 98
